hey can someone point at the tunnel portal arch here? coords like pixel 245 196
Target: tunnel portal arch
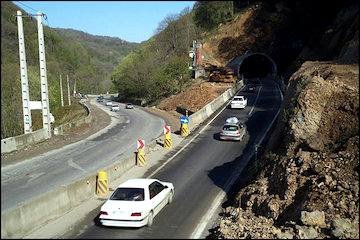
pixel 257 65
pixel 253 65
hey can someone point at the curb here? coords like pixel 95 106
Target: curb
pixel 15 221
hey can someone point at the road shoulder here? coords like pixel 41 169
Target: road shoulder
pixel 100 120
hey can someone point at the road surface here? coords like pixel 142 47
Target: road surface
pixel 25 180
pixel 199 173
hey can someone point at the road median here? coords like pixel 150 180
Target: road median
pixel 30 219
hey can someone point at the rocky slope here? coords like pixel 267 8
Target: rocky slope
pixel 309 185
pixel 306 185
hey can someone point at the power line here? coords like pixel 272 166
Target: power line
pixel 27 6
pixel 36 11
pixel 46 19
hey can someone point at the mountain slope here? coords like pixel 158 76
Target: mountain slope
pixel 305 182
pixel 63 56
pixel 107 51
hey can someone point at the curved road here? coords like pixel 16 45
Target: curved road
pixel 199 173
pixel 30 178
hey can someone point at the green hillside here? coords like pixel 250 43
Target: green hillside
pixel 107 51
pixel 160 66
pixel 67 52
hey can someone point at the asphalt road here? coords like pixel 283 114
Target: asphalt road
pixel 199 173
pixel 30 178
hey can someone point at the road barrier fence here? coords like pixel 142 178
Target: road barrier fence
pixel 26 217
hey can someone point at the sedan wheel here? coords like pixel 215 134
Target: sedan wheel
pixel 150 219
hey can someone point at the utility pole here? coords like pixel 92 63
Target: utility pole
pixel 61 92
pixel 68 88
pixel 43 76
pixel 24 77
pixel 75 88
pixel 194 51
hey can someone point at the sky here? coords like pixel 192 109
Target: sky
pixel 133 21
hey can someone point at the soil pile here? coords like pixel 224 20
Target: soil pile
pixel 195 97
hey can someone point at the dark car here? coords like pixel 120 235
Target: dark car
pixel 251 88
pixel 100 99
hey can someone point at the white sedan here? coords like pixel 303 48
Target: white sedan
pixel 109 103
pixel 136 202
pixel 238 102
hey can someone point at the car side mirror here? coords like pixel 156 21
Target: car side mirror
pixel 166 186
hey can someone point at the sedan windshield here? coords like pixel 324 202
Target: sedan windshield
pixel 128 194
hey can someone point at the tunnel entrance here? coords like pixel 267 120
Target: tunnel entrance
pixel 257 65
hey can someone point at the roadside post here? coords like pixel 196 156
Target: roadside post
pixel 167 139
pixel 256 147
pixel 184 120
pixel 102 186
pixel 140 156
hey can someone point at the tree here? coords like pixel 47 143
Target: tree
pixel 209 14
pixel 159 67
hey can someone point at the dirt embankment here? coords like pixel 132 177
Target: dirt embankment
pixel 219 47
pixel 195 97
pixel 307 183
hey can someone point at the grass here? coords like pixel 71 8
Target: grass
pixel 62 115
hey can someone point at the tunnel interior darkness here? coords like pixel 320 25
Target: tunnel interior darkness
pixel 257 65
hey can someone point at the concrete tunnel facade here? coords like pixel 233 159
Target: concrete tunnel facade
pixel 253 65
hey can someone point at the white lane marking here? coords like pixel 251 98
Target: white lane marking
pixel 34 176
pixel 257 96
pixel 74 165
pixel 200 228
pixel 128 121
pixel 191 140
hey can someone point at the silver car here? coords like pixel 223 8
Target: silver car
pixel 129 106
pixel 233 131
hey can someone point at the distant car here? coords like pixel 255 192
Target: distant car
pixel 232 119
pixel 115 107
pixel 233 131
pixel 100 99
pixel 129 106
pixel 109 103
pixel 238 102
pixel 251 88
pixel 136 202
